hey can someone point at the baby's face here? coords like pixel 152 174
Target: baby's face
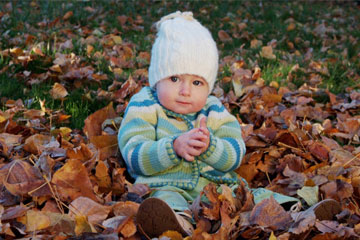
pixel 183 94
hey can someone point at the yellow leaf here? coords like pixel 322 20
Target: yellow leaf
pixel 36 220
pixel 2 119
pixel 309 194
pixel 82 225
pixel 17 51
pixel 267 52
pixel 117 39
pixel 272 236
pixel 56 68
pixel 58 91
pixel 173 235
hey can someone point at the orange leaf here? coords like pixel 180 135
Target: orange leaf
pixel 82 153
pixel 107 144
pixel 72 181
pixel 93 122
pixel 102 175
pixel 68 15
pixel 129 228
pixel 58 91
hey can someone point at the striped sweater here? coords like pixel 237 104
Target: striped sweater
pixel 146 140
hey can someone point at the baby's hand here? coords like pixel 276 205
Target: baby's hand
pixel 204 130
pixel 190 144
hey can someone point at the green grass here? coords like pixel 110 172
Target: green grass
pixel 266 21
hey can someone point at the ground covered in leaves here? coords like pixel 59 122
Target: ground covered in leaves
pixel 302 139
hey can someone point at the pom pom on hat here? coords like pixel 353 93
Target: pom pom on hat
pixel 183 46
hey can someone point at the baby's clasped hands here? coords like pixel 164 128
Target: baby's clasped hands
pixel 193 143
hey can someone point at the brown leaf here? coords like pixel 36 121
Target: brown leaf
pixel 267 52
pixel 102 175
pixel 303 221
pixel 35 143
pixel 94 212
pixel 72 181
pixel 14 212
pixel 107 145
pixel 93 122
pixel 213 212
pixel 319 150
pixel 82 153
pixel 128 209
pixel 58 91
pixel 224 36
pixel 20 178
pixel 269 213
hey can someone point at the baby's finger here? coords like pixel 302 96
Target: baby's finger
pixel 203 122
pixel 196 143
pixel 195 151
pixel 188 157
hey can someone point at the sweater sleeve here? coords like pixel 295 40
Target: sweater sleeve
pixel 226 148
pixel 142 152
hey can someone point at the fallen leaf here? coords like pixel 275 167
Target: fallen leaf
pixel 224 36
pixel 128 209
pixel 129 229
pixel 20 178
pixel 309 194
pixel 58 91
pixel 72 181
pixel 94 212
pixel 102 175
pixel 269 213
pixel 35 143
pixel 36 220
pixel 93 122
pixel 267 52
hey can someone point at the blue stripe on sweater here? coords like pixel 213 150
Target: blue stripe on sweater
pixel 134 159
pixel 214 108
pixel 145 103
pixel 236 146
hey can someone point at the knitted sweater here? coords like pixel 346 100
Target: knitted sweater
pixel 146 140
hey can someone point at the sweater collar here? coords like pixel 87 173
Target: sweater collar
pixel 186 117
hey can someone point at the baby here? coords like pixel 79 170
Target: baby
pixel 175 137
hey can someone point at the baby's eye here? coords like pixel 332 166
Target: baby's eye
pixel 174 79
pixel 197 83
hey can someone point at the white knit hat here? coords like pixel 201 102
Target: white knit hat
pixel 183 46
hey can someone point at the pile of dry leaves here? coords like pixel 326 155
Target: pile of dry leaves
pixel 61 183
